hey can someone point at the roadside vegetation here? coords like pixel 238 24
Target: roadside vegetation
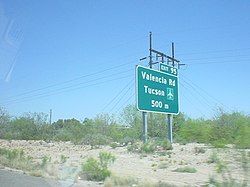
pixel 97 169
pixel 15 158
pixel 224 171
pixel 115 181
pixel 186 169
pixel 223 129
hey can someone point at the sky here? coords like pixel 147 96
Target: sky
pixel 78 58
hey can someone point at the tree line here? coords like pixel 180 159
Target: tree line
pixel 224 128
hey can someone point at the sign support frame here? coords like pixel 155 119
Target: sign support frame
pixel 169 118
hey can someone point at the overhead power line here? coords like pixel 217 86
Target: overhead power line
pixel 125 93
pixel 221 62
pixel 68 90
pixel 194 59
pixel 68 81
pixel 204 91
pixel 203 103
pixel 117 95
pixel 192 104
pixel 93 80
pixel 215 51
pixel 126 102
pixel 196 91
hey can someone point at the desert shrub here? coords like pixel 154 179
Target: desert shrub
pixel 227 183
pixel 199 150
pixel 178 121
pixel 4 121
pixel 225 128
pixel 30 126
pixel 94 171
pixel 68 130
pixel 194 131
pixel 148 147
pixel 15 159
pixel 221 166
pixel 130 117
pixel 163 165
pixel 45 161
pixel 115 132
pixel 97 170
pixel 128 140
pixel 164 144
pixel 186 169
pixel 139 147
pixel 157 126
pixel 213 158
pixel 63 135
pixel 230 128
pixel 225 174
pixel 242 139
pixel 106 159
pixel 135 147
pixel 114 145
pixel 24 129
pixel 151 146
pixel 96 140
pixel 63 158
pixel 120 181
pixel 115 181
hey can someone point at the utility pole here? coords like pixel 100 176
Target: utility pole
pixel 144 114
pixel 50 116
pixel 150 50
pixel 170 116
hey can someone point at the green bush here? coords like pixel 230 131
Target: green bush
pixel 45 161
pixel 16 159
pixel 114 145
pixel 148 147
pixel 96 140
pixel 135 147
pixel 93 170
pixel 63 158
pixel 194 131
pixel 165 144
pixel 230 128
pixel 186 169
pixel 242 139
pixel 213 158
pixel 97 170
pixel 114 181
pixel 199 150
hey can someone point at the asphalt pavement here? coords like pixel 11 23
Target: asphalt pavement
pixel 17 179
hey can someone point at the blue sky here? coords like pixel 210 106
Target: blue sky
pixel 75 57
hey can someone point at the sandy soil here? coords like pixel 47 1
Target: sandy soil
pixel 150 168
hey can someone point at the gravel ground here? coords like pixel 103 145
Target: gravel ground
pixel 150 168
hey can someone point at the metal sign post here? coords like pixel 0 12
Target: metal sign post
pixel 145 127
pixel 170 128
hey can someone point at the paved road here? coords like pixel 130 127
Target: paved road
pixel 16 179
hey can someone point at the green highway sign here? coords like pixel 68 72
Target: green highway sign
pixel 156 91
pixel 168 69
